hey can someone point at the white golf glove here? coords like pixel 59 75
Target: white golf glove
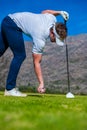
pixel 65 15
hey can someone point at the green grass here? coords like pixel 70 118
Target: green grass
pixel 43 112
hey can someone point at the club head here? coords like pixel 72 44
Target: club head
pixel 69 95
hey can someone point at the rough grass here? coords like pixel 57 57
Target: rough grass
pixel 43 112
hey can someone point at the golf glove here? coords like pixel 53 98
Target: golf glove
pixel 65 15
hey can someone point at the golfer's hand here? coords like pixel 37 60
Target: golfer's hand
pixel 41 89
pixel 65 15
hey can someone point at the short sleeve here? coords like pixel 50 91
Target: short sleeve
pixel 38 46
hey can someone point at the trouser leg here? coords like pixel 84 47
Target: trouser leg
pixel 15 40
pixel 13 71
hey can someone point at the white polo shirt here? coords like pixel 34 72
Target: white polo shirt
pixel 36 26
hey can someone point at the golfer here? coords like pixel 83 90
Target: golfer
pixel 39 27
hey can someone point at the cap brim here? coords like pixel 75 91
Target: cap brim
pixel 59 42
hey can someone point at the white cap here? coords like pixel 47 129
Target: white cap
pixel 58 40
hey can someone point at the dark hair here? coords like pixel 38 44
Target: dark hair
pixel 61 30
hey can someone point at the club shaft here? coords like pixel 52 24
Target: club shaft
pixel 67 61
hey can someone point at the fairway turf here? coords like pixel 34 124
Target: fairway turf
pixel 43 112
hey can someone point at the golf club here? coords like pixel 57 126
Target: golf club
pixel 69 94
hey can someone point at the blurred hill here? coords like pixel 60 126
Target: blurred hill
pixel 53 66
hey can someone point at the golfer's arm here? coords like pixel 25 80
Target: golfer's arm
pixel 37 66
pixel 54 12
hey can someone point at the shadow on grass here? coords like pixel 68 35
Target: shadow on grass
pixel 35 95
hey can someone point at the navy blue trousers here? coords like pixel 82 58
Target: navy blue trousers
pixel 11 36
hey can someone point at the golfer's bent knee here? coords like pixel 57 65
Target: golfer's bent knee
pixel 21 57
